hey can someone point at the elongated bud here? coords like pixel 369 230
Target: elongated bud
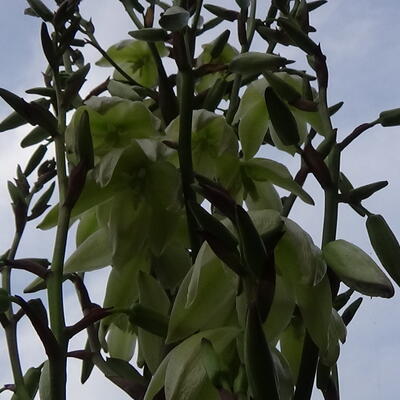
pixel 42 204
pixel 74 84
pixel 87 365
pixel 215 94
pixel 342 299
pixel 149 320
pixel 390 117
pixel 259 363
pixel 282 88
pixel 243 4
pixel 252 246
pixel 41 10
pixel 313 5
pixel 350 311
pixel 219 43
pixel 363 192
pixel 385 245
pixel 272 35
pixel 281 5
pixel 84 143
pixel 256 63
pixel 282 118
pixel 317 166
pixel 35 159
pixel 42 91
pixel 335 108
pixel 150 35
pixel 216 195
pixel 219 238
pixel 149 17
pixel 35 136
pixel 12 121
pixel 49 48
pixel 33 112
pixel 31 381
pixel 299 38
pixel 228 15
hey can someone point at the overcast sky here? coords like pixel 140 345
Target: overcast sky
pixel 360 39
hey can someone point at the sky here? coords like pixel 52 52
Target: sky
pixel 359 38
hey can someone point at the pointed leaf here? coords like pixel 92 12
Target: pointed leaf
pixel 261 169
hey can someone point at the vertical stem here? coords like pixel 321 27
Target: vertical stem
pixel 58 363
pixel 185 151
pixel 11 328
pixel 309 359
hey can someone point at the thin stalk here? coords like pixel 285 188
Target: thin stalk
pixel 58 363
pixel 309 359
pixel 11 328
pixel 185 151
pixel 237 83
pixel 132 14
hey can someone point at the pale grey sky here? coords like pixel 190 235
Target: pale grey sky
pixel 360 39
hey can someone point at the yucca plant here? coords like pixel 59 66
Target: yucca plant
pixel 167 175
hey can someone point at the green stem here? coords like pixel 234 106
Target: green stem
pixel 185 152
pixel 309 359
pixel 58 362
pixel 11 328
pixel 237 83
pixel 132 14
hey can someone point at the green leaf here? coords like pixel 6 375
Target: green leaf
pixel 291 343
pixel 91 196
pixel 128 219
pixel 122 290
pixel 185 377
pixel 162 187
pixel 93 253
pixel 174 19
pixel 205 299
pixel 297 258
pixel 44 382
pixel 315 304
pixel 357 269
pixel 263 196
pixel 172 265
pixel 87 226
pixel 282 119
pixel 153 296
pixel 284 375
pixel 31 381
pixel 261 169
pixel 158 378
pixel 281 311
